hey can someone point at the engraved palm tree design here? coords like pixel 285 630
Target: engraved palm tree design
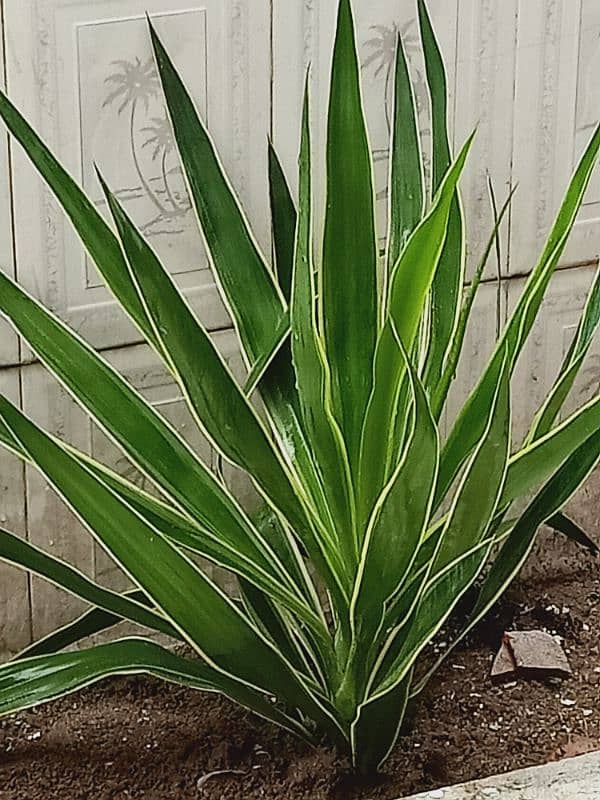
pixel 134 85
pixel 160 137
pixel 382 59
pixel 383 56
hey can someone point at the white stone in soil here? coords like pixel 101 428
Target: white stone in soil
pixel 571 779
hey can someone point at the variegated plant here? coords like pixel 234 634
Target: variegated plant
pixel 373 526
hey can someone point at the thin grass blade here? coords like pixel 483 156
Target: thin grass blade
pixel 441 391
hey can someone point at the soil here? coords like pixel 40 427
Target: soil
pixel 138 738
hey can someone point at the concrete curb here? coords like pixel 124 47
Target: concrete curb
pixel 571 779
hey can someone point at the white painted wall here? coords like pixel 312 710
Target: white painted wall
pixel 525 71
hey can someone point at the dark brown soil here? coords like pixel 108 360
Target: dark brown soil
pixel 135 738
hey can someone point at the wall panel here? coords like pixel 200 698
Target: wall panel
pixel 9 347
pixel 15 613
pixel 83 73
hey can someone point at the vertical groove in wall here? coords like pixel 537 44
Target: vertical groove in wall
pixel 512 149
pixel 271 101
pixel 271 68
pixel 456 51
pixel 511 178
pixel 9 152
pixel 13 240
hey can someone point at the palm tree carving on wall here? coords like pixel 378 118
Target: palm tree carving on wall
pixel 160 137
pixel 132 87
pixel 381 59
pixel 383 55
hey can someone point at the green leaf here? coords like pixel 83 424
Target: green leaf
pixel 188 533
pixel 283 215
pixel 562 524
pixel 447 285
pixel 90 623
pixel 438 93
pixel 194 537
pixel 377 727
pixel 553 496
pixel 248 287
pixel 146 438
pixel 532 465
pixel 406 189
pixel 252 295
pixel 212 393
pixel 267 618
pixel 98 239
pixel 395 528
pixel 379 718
pixel 297 648
pixel 271 529
pixel 439 598
pixel 19 552
pixel 408 291
pixel 247 284
pixel 467 428
pixel 412 279
pixel 481 490
pixel 314 381
pixel 454 561
pixel 38 680
pixel 204 615
pixel 349 301
pixel 521 537
pixel 267 360
pixel 584 335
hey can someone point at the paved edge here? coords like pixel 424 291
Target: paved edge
pixel 571 779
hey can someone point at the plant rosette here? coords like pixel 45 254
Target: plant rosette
pixel 373 526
